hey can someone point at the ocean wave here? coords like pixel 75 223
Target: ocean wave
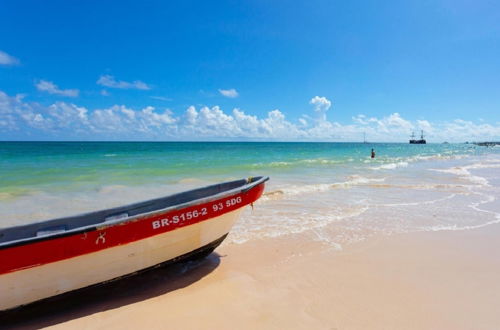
pixel 495 164
pixel 358 179
pixel 417 203
pixel 437 157
pixel 455 227
pixel 494 161
pixel 279 164
pixel 390 166
pixel 489 199
pixel 464 173
pixel 323 161
pixel 293 190
pixel 271 164
pixel 391 163
pixel 399 162
pixel 429 186
pixel 300 162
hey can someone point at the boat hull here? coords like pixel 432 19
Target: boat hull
pixel 36 283
pixel 43 266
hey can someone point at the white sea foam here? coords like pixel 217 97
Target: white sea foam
pixel 453 227
pixel 417 203
pixel 298 190
pixel 489 199
pixel 293 190
pixel 278 225
pixel 321 161
pixel 314 161
pixel 436 157
pixel 271 164
pixel 390 166
pixel 398 162
pixel 321 236
pixel 358 179
pixel 464 173
pixel 279 164
pixel 460 171
pixel 490 164
pixel 429 186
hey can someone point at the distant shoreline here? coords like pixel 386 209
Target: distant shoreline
pixel 486 144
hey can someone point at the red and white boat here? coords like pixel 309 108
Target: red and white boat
pixel 48 258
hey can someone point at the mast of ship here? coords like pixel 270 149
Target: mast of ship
pixel 364 137
pixel 421 134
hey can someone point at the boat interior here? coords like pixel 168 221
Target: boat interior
pixel 60 225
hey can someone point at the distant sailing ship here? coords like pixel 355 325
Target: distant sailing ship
pixel 421 141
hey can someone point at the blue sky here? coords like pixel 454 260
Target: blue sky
pixel 309 70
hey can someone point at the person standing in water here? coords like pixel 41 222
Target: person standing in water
pixel 373 153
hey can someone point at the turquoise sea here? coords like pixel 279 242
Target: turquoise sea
pixel 325 189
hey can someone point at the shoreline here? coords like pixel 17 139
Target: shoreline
pixel 423 280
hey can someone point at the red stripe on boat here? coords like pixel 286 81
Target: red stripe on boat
pixel 106 236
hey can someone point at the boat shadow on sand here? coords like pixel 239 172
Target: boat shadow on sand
pixel 135 288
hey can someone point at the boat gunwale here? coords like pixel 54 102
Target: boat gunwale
pixel 111 223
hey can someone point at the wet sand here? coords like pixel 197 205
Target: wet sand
pixel 427 280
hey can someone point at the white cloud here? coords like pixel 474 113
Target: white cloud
pixel 231 93
pixel 51 88
pixel 321 106
pixel 104 92
pixel 15 113
pixel 360 119
pixel 425 126
pixel 66 120
pixel 395 122
pixel 110 81
pixel 6 59
pixel 191 115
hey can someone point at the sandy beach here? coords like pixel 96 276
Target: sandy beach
pixel 428 280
